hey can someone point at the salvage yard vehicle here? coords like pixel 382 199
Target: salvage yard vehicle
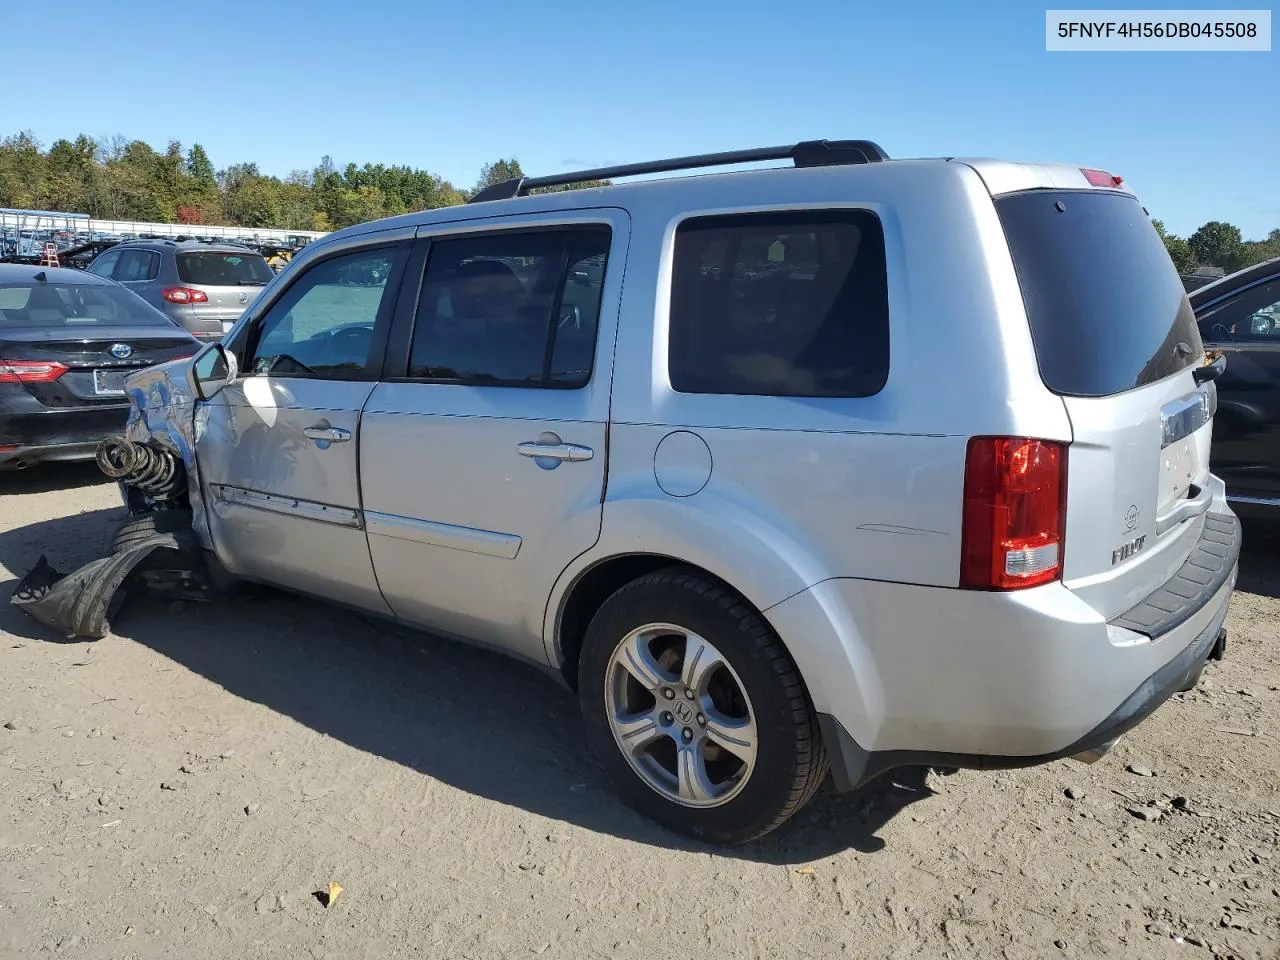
pixel 67 341
pixel 1240 315
pixel 203 286
pixel 868 463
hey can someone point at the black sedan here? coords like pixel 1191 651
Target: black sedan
pixel 68 339
pixel 1240 315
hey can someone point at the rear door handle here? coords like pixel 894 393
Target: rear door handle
pixel 324 435
pixel 572 452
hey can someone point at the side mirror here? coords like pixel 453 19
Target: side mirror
pixel 211 370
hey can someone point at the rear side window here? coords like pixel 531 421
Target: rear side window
pixel 780 304
pixel 137 265
pixel 223 269
pixel 1107 310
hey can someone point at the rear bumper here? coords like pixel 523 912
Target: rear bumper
pixel 204 326
pixel 73 434
pixel 851 765
pixel 904 675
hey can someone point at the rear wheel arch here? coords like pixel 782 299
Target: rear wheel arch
pixel 590 589
pixel 594 585
pixel 723 543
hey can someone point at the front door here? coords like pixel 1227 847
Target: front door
pixel 278 452
pixel 1246 431
pixel 483 464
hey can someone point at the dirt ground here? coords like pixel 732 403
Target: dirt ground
pixel 185 787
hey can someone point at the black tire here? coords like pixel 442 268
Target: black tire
pixel 137 529
pixel 791 760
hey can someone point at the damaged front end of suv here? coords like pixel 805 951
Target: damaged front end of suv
pixel 163 544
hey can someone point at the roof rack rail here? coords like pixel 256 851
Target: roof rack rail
pixel 809 153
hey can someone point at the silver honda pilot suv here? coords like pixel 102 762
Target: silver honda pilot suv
pixel 849 465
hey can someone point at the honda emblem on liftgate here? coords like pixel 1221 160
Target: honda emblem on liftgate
pixel 1127 550
pixel 121 351
pixel 1131 518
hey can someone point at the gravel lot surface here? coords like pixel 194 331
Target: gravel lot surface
pixel 187 786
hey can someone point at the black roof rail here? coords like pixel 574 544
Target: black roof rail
pixel 810 153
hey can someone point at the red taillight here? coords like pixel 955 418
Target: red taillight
pixel 1100 178
pixel 184 295
pixel 30 371
pixel 1015 508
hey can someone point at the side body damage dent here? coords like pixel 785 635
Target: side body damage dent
pixel 163 410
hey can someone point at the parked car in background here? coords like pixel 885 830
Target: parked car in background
pixel 67 341
pixel 203 286
pixel 1240 315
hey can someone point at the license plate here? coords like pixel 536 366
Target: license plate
pixel 109 383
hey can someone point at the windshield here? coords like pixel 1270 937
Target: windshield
pixel 75 305
pixel 223 269
pixel 1107 310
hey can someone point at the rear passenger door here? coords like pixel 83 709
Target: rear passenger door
pixel 1246 430
pixel 482 455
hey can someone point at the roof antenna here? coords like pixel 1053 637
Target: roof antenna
pixel 41 277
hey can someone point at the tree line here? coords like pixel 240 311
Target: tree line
pixel 114 178
pixel 1218 244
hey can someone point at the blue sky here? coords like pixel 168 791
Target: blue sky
pixel 559 85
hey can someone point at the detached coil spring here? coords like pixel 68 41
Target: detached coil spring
pixel 155 471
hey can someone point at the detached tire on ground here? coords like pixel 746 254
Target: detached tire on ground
pixel 695 708
pixel 137 529
pixel 144 526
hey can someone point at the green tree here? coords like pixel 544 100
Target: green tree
pixel 1179 250
pixel 22 171
pixel 1256 251
pixel 500 171
pixel 70 169
pixel 200 170
pixel 1218 244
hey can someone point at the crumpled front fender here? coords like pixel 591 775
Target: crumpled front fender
pixel 163 410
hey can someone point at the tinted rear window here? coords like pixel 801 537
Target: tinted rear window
pixel 1107 310
pixel 70 305
pixel 223 269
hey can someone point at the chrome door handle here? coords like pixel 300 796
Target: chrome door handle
pixel 321 434
pixel 1192 506
pixel 572 452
